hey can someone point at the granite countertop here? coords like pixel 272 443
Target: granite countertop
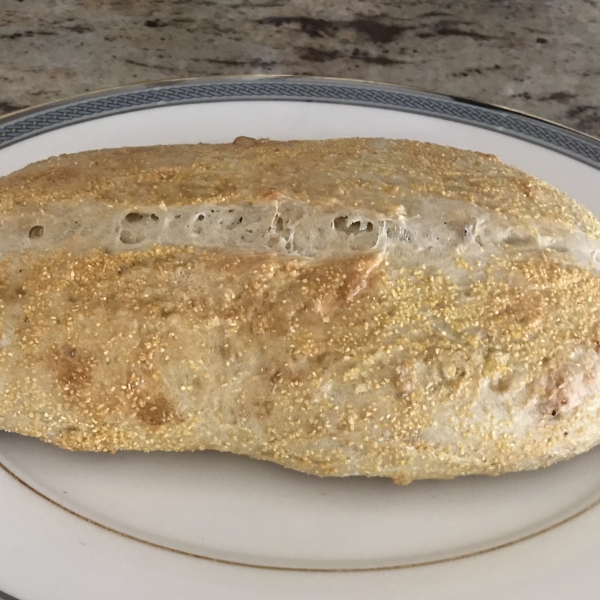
pixel 539 56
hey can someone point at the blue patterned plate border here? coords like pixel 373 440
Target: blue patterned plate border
pixel 30 122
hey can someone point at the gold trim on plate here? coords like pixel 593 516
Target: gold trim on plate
pixel 234 563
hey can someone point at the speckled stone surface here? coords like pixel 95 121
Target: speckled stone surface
pixel 542 57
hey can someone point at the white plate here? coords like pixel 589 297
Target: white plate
pixel 209 525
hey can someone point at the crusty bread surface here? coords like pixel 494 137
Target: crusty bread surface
pixel 340 307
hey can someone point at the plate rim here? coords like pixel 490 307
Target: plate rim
pixel 22 124
pixel 257 566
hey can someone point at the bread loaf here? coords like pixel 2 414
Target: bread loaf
pixel 340 307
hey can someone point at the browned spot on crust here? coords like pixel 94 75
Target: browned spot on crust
pixel 556 395
pixel 326 359
pixel 155 411
pixel 357 276
pixel 74 370
pixel 264 407
pixel 271 194
pixel 10 293
pixel 502 384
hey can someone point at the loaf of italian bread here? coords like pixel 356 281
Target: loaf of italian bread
pixel 340 307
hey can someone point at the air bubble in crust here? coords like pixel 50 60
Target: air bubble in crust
pixel 136 226
pixel 516 238
pixel 197 227
pixel 234 223
pixel 362 235
pixel 131 237
pixel 134 217
pixel 36 232
pixel 344 225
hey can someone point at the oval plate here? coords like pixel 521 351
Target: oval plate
pixel 205 524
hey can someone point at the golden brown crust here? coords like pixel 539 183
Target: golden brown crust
pixel 407 360
pixel 331 367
